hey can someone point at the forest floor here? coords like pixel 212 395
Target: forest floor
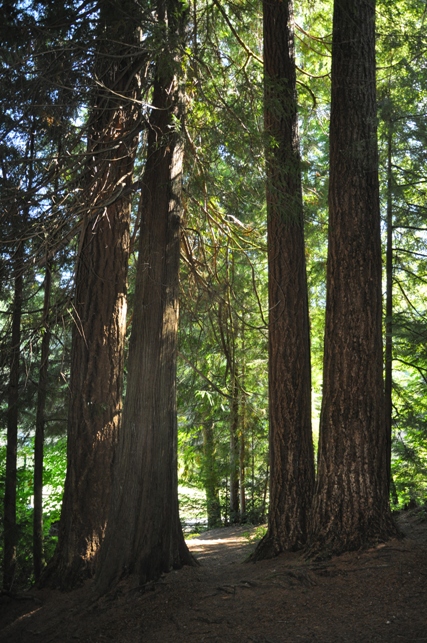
pixel 374 595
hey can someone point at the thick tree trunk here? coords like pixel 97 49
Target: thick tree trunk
pixel 10 526
pixel 100 301
pixel 38 560
pixel 291 448
pixel 351 508
pixel 144 536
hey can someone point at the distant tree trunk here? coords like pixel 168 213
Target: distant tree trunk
pixel 100 300
pixel 264 495
pixel 228 331
pixel 252 472
pixel 351 507
pixel 291 448
pixel 234 448
pixel 40 425
pixel 242 465
pixel 242 432
pixel 10 527
pixel 144 536
pixel 211 478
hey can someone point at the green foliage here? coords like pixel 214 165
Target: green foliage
pixel 55 461
pixel 222 368
pixel 223 341
pixel 402 142
pixel 257 534
pixel 192 509
pixel 313 57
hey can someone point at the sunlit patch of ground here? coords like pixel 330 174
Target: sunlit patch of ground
pixel 223 545
pixel 373 596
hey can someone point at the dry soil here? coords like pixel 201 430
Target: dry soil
pixel 366 596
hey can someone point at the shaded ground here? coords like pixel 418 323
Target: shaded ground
pixel 376 595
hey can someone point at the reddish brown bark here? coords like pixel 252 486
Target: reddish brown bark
pixel 351 506
pixel 291 448
pixel 144 536
pixel 100 301
pixel 388 353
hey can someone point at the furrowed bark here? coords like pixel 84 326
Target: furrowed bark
pixel 99 312
pixel 351 507
pixel 144 536
pixel 291 448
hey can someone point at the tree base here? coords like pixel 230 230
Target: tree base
pixel 56 575
pixel 325 544
pixel 146 570
pixel 267 548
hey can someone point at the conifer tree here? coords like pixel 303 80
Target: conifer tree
pixel 291 448
pixel 97 351
pixel 144 536
pixel 351 505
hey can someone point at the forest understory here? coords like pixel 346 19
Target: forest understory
pixel 374 595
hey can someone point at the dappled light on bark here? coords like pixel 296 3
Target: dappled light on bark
pixel 99 309
pixel 144 536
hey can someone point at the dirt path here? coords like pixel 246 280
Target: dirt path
pixel 376 595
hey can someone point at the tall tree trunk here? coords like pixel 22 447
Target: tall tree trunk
pixel 388 358
pixel 351 507
pixel 144 536
pixel 19 221
pixel 291 448
pixel 38 560
pixel 100 300
pixel 10 526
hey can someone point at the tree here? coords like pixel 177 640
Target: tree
pixel 40 428
pixel 10 525
pixel 402 137
pixel 291 448
pixel 59 70
pixel 144 535
pixel 19 216
pixel 351 505
pixel 97 354
pixel 223 333
pixel 27 117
